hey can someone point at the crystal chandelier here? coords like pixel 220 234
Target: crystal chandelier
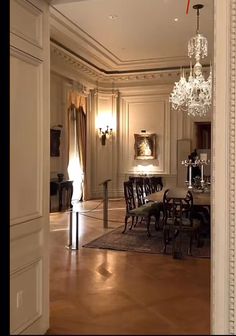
pixel 193 95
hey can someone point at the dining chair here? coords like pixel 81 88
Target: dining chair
pixel 178 220
pixel 140 209
pixel 147 186
pixel 156 183
pixel 140 194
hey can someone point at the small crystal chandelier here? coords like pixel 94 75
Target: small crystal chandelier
pixel 193 95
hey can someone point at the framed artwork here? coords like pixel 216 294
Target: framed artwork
pixel 145 146
pixel 55 142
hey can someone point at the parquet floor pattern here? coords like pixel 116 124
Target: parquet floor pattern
pixel 102 292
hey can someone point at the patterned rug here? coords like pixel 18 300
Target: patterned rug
pixel 136 240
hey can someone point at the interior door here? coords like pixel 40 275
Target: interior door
pixel 29 167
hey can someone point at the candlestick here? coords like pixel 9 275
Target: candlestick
pixel 202 180
pixel 190 177
pixel 189 163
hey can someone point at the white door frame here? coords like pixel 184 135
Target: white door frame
pixel 223 170
pixel 223 306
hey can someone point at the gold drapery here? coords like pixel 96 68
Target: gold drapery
pixel 76 126
pixel 81 141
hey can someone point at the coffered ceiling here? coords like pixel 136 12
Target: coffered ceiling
pixel 130 35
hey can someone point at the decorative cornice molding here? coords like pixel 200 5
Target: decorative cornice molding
pixel 232 163
pixel 95 74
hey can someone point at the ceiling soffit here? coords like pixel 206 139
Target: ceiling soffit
pixel 71 36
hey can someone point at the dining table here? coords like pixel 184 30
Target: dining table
pixel 201 202
pixel 201 198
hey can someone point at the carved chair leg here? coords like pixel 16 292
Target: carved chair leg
pixel 132 224
pixel 148 226
pixel 177 252
pixel 157 221
pixel 198 238
pixel 126 222
pixel 173 244
pixel 190 244
pixel 136 221
pixel 165 240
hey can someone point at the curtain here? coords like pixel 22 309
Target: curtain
pixel 76 126
pixel 81 141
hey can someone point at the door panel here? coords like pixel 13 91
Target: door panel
pixel 29 167
pixel 26 141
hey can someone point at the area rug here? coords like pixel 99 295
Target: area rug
pixel 136 240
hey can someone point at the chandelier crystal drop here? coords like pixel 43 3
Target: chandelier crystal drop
pixel 197 47
pixel 193 95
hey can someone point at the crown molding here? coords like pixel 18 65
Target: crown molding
pixel 94 75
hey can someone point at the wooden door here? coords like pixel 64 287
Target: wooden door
pixel 29 167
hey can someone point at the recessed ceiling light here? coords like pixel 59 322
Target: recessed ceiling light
pixel 176 19
pixel 112 17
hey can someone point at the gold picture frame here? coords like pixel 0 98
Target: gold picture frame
pixel 145 146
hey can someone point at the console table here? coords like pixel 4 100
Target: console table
pixel 64 190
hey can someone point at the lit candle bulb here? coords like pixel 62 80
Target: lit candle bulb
pixel 202 181
pixel 190 177
pixel 203 156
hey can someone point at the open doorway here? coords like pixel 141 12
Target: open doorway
pixel 203 134
pixel 203 145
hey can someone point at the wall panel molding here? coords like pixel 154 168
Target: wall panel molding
pixel 24 207
pixel 29 166
pixel 26 243
pixel 26 22
pixel 26 282
pixel 151 112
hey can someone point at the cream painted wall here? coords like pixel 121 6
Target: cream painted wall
pixel 148 115
pixel 102 159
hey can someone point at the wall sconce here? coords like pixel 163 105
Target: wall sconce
pixel 104 134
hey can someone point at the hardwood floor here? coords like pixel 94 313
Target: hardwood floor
pixel 110 292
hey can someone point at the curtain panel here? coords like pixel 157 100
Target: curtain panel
pixel 76 129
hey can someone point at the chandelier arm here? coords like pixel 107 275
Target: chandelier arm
pixel 197 20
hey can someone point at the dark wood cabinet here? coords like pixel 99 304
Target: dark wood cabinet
pixel 64 190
